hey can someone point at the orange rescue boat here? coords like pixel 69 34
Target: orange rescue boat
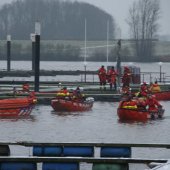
pixel 70 105
pixel 163 95
pixel 17 107
pixel 135 114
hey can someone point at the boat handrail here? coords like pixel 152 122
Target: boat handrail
pixel 94 144
pixel 79 159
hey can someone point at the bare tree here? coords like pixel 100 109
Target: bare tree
pixel 143 22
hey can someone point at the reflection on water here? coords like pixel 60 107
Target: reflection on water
pixel 66 113
pixel 133 122
pixel 149 121
pixel 15 119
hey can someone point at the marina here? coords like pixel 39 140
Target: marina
pixel 104 125
pixel 101 124
pixel 80 90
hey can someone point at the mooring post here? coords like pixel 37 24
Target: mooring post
pixel 37 56
pixel 8 52
pixel 32 37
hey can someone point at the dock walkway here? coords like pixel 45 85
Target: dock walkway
pixel 50 88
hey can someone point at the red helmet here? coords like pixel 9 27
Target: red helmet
pixel 126 68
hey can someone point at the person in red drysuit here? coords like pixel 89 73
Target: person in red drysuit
pixel 102 76
pixel 25 87
pixel 152 103
pixel 111 77
pixel 77 95
pixel 126 90
pixel 64 91
pixel 144 90
pixel 126 79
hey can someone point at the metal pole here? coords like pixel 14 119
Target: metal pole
pixel 33 56
pixel 85 73
pixel 8 52
pixel 119 61
pixel 143 77
pixel 160 73
pixel 85 52
pixel 37 62
pixel 107 59
pixel 37 56
pixel 85 37
pixel 32 36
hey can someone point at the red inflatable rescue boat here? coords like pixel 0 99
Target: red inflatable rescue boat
pixel 163 95
pixel 64 104
pixel 135 114
pixel 19 107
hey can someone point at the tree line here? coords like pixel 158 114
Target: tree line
pixel 61 20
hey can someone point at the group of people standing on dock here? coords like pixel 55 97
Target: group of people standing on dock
pixel 110 76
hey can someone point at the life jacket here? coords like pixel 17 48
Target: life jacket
pixel 63 92
pixel 155 88
pixel 130 105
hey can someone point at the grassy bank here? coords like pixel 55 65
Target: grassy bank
pixel 22 49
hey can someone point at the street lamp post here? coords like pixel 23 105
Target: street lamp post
pixel 85 52
pixel 118 64
pixel 160 71
pixel 85 66
pixel 107 57
pixel 8 52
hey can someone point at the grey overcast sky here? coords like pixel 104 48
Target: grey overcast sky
pixel 119 10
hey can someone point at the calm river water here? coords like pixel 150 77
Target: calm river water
pixel 101 124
